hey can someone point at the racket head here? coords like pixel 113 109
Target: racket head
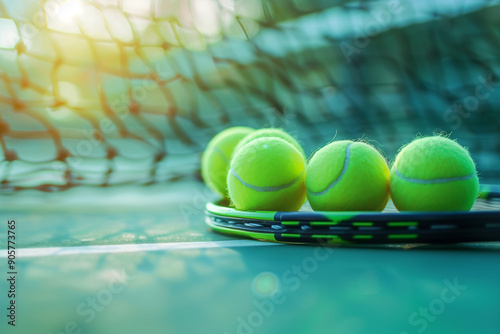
pixel 388 227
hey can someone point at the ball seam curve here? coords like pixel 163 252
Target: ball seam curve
pixel 433 181
pixel 267 189
pixel 344 170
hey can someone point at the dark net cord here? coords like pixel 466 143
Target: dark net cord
pixel 101 93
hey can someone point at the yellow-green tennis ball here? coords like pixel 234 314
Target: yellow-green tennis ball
pixel 267 174
pixel 347 176
pixel 434 174
pixel 217 156
pixel 271 132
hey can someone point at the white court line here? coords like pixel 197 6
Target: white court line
pixel 130 248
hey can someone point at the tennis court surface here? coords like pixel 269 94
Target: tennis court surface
pixel 153 266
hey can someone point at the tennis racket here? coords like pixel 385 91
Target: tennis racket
pixel 481 224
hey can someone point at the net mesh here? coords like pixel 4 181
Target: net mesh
pixel 109 92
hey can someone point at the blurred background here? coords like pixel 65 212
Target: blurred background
pixel 107 105
pixel 110 92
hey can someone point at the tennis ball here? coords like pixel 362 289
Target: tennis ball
pixel 217 156
pixel 434 174
pixel 347 176
pixel 267 174
pixel 270 132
